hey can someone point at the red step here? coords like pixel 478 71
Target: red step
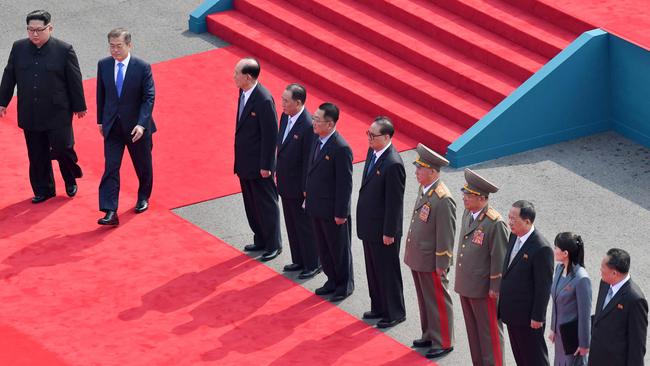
pixel 413 47
pixel 343 83
pixel 372 62
pixel 553 15
pixel 513 23
pixel 463 35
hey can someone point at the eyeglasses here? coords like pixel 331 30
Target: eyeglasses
pixel 37 30
pixel 372 135
pixel 317 119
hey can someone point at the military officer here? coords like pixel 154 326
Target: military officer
pixel 479 261
pixel 429 248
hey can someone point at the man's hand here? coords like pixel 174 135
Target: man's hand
pixel 101 130
pixel 581 351
pixel 493 294
pixel 340 220
pixel 81 114
pixel 440 272
pixel 388 240
pixel 551 337
pixel 535 324
pixel 3 111
pixel 137 132
pixel 265 173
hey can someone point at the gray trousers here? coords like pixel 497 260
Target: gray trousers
pixel 484 330
pixel 436 308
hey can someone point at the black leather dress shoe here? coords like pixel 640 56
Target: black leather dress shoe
pixel 420 343
pixel 109 219
pixel 71 190
pixel 438 352
pixel 292 267
pixel 270 254
pixel 309 273
pixel 324 291
pixel 141 206
pixel 339 297
pixel 253 248
pixel 387 323
pixel 372 315
pixel 39 198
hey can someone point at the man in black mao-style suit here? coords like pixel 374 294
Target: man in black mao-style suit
pixel 295 140
pixel 327 201
pixel 256 134
pixel 50 91
pixel 620 325
pixel 379 224
pixel 526 286
pixel 125 99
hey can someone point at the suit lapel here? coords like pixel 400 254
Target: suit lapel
pixel 422 200
pixel 109 77
pixel 284 123
pixel 471 227
pixel 613 302
pixel 130 69
pixel 376 168
pixel 295 127
pixel 248 106
pixel 323 150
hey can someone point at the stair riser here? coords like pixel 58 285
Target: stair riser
pixel 323 83
pixel 453 40
pixel 557 17
pixel 493 24
pixel 364 67
pixel 399 50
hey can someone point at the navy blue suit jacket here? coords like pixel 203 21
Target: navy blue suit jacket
pixel 293 155
pixel 135 105
pixel 329 180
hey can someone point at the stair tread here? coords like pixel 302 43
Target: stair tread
pixel 366 88
pixel 382 60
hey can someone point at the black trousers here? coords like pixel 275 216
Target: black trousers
pixel 384 279
pixel 301 236
pixel 262 211
pixel 333 243
pixel 528 345
pixel 42 148
pixel 140 152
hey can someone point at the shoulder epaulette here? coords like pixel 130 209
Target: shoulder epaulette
pixel 492 214
pixel 442 191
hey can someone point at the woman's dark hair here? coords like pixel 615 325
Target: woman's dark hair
pixel 574 245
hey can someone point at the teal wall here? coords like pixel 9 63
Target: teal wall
pixel 196 22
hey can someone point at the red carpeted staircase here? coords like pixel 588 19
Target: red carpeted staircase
pixel 435 69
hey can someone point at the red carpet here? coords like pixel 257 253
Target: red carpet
pixel 157 290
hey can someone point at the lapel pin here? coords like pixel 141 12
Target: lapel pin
pixel 378 172
pixel 525 256
pixel 327 157
pixel 295 137
pixel 620 306
pixel 253 114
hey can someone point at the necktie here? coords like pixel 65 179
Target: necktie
pixel 319 143
pixel 242 103
pixel 372 164
pixel 515 250
pixel 289 126
pixel 609 296
pixel 119 80
pixel 471 219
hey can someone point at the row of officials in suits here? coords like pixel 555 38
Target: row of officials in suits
pixel 504 272
pixel 46 73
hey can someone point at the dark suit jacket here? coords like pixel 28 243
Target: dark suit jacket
pixel 381 197
pixel 329 179
pixel 256 134
pixel 293 155
pixel 618 332
pixel 49 84
pixel 135 105
pixel 526 284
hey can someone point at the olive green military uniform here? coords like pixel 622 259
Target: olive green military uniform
pixel 479 261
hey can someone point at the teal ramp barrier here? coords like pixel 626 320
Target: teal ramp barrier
pixel 197 23
pixel 568 98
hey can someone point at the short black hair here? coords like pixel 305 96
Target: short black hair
pixel 298 92
pixel 619 260
pixel 526 210
pixel 39 15
pixel 251 68
pixel 330 111
pixel 119 32
pixel 385 125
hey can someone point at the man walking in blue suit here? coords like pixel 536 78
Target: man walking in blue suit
pixel 125 99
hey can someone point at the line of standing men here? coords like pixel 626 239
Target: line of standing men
pixel 46 72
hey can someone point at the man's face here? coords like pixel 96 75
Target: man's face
pixel 517 225
pixel 38 32
pixel 607 274
pixel 322 126
pixel 119 48
pixel 424 176
pixel 290 106
pixel 243 81
pixel 472 202
pixel 376 140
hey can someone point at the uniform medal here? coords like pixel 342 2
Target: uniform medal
pixel 478 236
pixel 424 213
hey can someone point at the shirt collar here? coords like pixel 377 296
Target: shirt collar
pixel 426 189
pixel 378 153
pixel 124 62
pixel 247 93
pixel 525 236
pixel 323 140
pixel 294 118
pixel 618 286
